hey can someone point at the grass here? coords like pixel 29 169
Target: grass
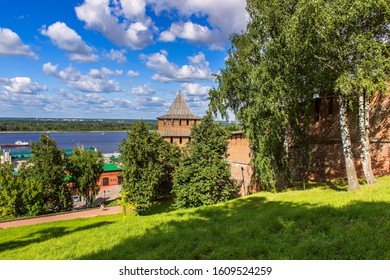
pixel 323 222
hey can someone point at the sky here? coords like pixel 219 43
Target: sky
pixel 112 59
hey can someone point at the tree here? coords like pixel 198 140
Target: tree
pixel 291 50
pixel 10 193
pixel 148 164
pixel 203 175
pixel 47 167
pixel 266 85
pixel 85 167
pixel 350 42
pixel 19 196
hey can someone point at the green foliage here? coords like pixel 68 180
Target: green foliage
pixel 47 167
pixel 290 50
pixel 148 164
pixel 66 125
pixel 85 167
pixel 263 84
pixel 19 196
pixel 203 175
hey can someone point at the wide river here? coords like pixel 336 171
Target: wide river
pixel 106 142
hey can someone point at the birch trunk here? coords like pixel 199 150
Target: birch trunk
pixel 353 183
pixel 365 156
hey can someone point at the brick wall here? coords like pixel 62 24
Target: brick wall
pixel 327 157
pixel 176 140
pixel 176 126
pixel 111 176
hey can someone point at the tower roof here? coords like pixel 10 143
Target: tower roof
pixel 179 110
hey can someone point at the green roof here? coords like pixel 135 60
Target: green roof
pixel 111 167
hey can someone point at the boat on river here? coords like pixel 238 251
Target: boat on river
pixel 18 143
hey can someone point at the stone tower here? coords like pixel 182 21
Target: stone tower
pixel 175 126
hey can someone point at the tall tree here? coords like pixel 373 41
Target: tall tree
pixel 148 164
pixel 290 50
pixel 266 85
pixel 350 42
pixel 85 167
pixel 203 175
pixel 47 167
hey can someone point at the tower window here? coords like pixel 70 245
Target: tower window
pixel 173 121
pixel 179 121
pixel 188 122
pixel 181 140
pixel 171 140
pixel 165 122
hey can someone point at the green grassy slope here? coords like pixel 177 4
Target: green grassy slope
pixel 320 223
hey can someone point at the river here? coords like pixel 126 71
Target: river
pixel 106 142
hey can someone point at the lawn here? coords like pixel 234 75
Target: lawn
pixel 323 222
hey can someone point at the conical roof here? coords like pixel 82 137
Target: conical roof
pixel 179 110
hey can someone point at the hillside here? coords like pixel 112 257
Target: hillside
pixel 324 222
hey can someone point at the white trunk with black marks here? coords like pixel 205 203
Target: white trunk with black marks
pixel 353 182
pixel 365 156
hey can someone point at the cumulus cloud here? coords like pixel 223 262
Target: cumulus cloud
pixel 132 73
pixel 117 55
pixel 95 81
pixel 223 20
pixel 11 44
pixel 195 90
pixel 142 90
pixel 122 22
pixel 195 33
pixel 68 40
pixel 197 69
pixel 22 85
pixel 125 22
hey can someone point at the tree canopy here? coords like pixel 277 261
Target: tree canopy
pixel 148 164
pixel 47 166
pixel 85 167
pixel 203 175
pixel 291 50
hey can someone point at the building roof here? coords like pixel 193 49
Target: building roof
pixel 179 110
pixel 111 167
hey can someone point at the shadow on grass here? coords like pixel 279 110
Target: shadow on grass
pixel 46 234
pixel 254 228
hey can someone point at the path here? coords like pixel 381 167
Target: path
pixel 60 217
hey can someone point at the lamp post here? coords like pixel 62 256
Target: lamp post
pixel 104 196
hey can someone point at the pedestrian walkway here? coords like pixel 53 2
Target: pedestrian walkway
pixel 62 216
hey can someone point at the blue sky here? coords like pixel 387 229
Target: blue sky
pixel 111 58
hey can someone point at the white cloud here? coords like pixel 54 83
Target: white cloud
pixel 194 33
pixel 68 40
pixel 117 55
pixel 125 25
pixel 11 44
pixel 195 89
pixel 133 9
pixel 142 90
pixel 21 85
pixel 167 36
pixel 95 81
pixel 198 68
pixel 132 73
pixel 223 18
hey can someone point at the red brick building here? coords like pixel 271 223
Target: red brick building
pixel 111 175
pixel 175 126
